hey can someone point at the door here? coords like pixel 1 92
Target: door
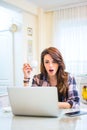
pixel 6 58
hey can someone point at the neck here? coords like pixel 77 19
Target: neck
pixel 52 80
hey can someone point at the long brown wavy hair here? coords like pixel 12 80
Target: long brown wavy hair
pixel 62 76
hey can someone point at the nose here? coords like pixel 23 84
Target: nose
pixel 50 64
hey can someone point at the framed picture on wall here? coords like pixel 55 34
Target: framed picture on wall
pixel 29 31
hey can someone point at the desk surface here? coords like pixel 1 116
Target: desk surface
pixel 10 122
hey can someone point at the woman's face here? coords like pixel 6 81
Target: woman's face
pixel 50 65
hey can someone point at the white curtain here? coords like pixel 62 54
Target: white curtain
pixel 70 37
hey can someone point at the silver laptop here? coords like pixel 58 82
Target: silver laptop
pixel 34 101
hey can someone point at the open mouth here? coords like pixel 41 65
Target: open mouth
pixel 51 70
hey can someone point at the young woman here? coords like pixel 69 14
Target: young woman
pixel 53 74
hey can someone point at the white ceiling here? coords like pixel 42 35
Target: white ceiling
pixel 55 4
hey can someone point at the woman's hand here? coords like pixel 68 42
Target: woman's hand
pixel 26 70
pixel 64 105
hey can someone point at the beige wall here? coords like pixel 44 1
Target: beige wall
pixel 48 29
pixel 32 22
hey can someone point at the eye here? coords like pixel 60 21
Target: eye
pixel 54 61
pixel 46 62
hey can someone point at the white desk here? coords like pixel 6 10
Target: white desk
pixel 10 122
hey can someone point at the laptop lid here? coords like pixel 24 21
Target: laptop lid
pixel 34 101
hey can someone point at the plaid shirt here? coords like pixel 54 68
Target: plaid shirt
pixel 72 95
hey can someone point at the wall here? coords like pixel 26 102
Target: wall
pixel 49 29
pixel 30 21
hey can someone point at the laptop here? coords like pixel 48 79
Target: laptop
pixel 34 101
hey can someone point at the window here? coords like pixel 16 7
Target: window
pixel 70 37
